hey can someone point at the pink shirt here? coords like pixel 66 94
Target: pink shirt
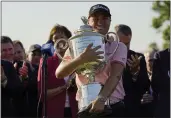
pixel 120 56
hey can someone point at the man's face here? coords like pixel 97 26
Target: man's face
pixel 34 57
pixel 7 51
pixel 149 62
pixel 126 39
pixel 19 53
pixel 100 22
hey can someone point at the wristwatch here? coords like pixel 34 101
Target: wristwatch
pixel 102 98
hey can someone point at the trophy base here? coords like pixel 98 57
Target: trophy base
pixel 89 93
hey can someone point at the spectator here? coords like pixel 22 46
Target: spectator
pixel 161 83
pixel 33 57
pixel 147 102
pixel 34 54
pixel 149 57
pixel 60 100
pixel 57 32
pixel 11 89
pixel 7 49
pixel 28 76
pixel 20 54
pixel 24 73
pixel 135 77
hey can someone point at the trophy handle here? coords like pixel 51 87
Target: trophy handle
pixel 61 44
pixel 111 37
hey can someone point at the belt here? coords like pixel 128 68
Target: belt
pixel 120 102
pixel 114 102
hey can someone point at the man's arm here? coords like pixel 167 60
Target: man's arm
pixel 13 81
pixel 55 91
pixel 112 82
pixel 13 86
pixel 118 64
pixel 142 82
pixel 68 66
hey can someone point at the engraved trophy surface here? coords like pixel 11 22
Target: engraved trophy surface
pixel 77 44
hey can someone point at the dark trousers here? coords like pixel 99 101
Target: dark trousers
pixel 147 110
pixel 118 110
pixel 113 111
pixel 67 112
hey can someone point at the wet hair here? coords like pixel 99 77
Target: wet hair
pixel 59 29
pixel 6 39
pixel 126 30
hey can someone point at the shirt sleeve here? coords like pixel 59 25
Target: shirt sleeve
pixel 120 56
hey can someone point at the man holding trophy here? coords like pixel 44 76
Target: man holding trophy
pixel 98 66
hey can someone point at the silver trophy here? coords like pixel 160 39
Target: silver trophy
pixel 82 38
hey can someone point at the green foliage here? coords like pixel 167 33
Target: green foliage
pixel 166 45
pixel 163 9
pixel 153 45
pixel 166 33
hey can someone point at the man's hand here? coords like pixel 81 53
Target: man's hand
pixel 147 98
pixel 60 89
pixel 91 54
pixel 3 77
pixel 55 91
pixel 97 106
pixel 134 64
pixel 23 71
pixel 2 74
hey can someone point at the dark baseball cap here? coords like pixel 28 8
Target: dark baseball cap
pixel 34 47
pixel 99 8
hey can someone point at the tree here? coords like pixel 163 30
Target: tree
pixel 153 46
pixel 163 20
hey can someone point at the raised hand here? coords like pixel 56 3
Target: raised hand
pixel 134 63
pixel 147 98
pixel 23 71
pixel 15 65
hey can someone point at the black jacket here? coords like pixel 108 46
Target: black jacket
pixel 30 92
pixel 11 92
pixel 161 83
pixel 135 90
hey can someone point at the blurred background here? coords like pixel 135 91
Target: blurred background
pixel 31 22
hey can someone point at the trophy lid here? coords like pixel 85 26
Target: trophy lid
pixel 85 27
